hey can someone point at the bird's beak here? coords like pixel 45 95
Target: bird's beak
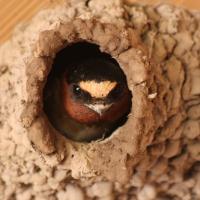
pixel 99 108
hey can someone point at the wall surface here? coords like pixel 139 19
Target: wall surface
pixel 14 11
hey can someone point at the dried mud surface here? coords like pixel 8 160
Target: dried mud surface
pixel 155 155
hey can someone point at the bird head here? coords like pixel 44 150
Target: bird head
pixel 95 90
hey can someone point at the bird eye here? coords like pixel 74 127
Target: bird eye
pixel 116 92
pixel 81 94
pixel 77 90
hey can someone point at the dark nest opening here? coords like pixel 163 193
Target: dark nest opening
pixel 74 52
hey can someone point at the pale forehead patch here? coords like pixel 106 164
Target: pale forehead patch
pixel 98 89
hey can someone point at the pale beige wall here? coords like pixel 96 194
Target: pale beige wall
pixel 14 11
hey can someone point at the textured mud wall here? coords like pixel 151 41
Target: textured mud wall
pixel 159 156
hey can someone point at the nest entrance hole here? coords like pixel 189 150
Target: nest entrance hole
pixel 74 52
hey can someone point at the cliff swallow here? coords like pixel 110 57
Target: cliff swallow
pixel 88 99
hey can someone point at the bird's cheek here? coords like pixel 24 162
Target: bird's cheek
pixel 113 114
pixel 118 110
pixel 80 112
